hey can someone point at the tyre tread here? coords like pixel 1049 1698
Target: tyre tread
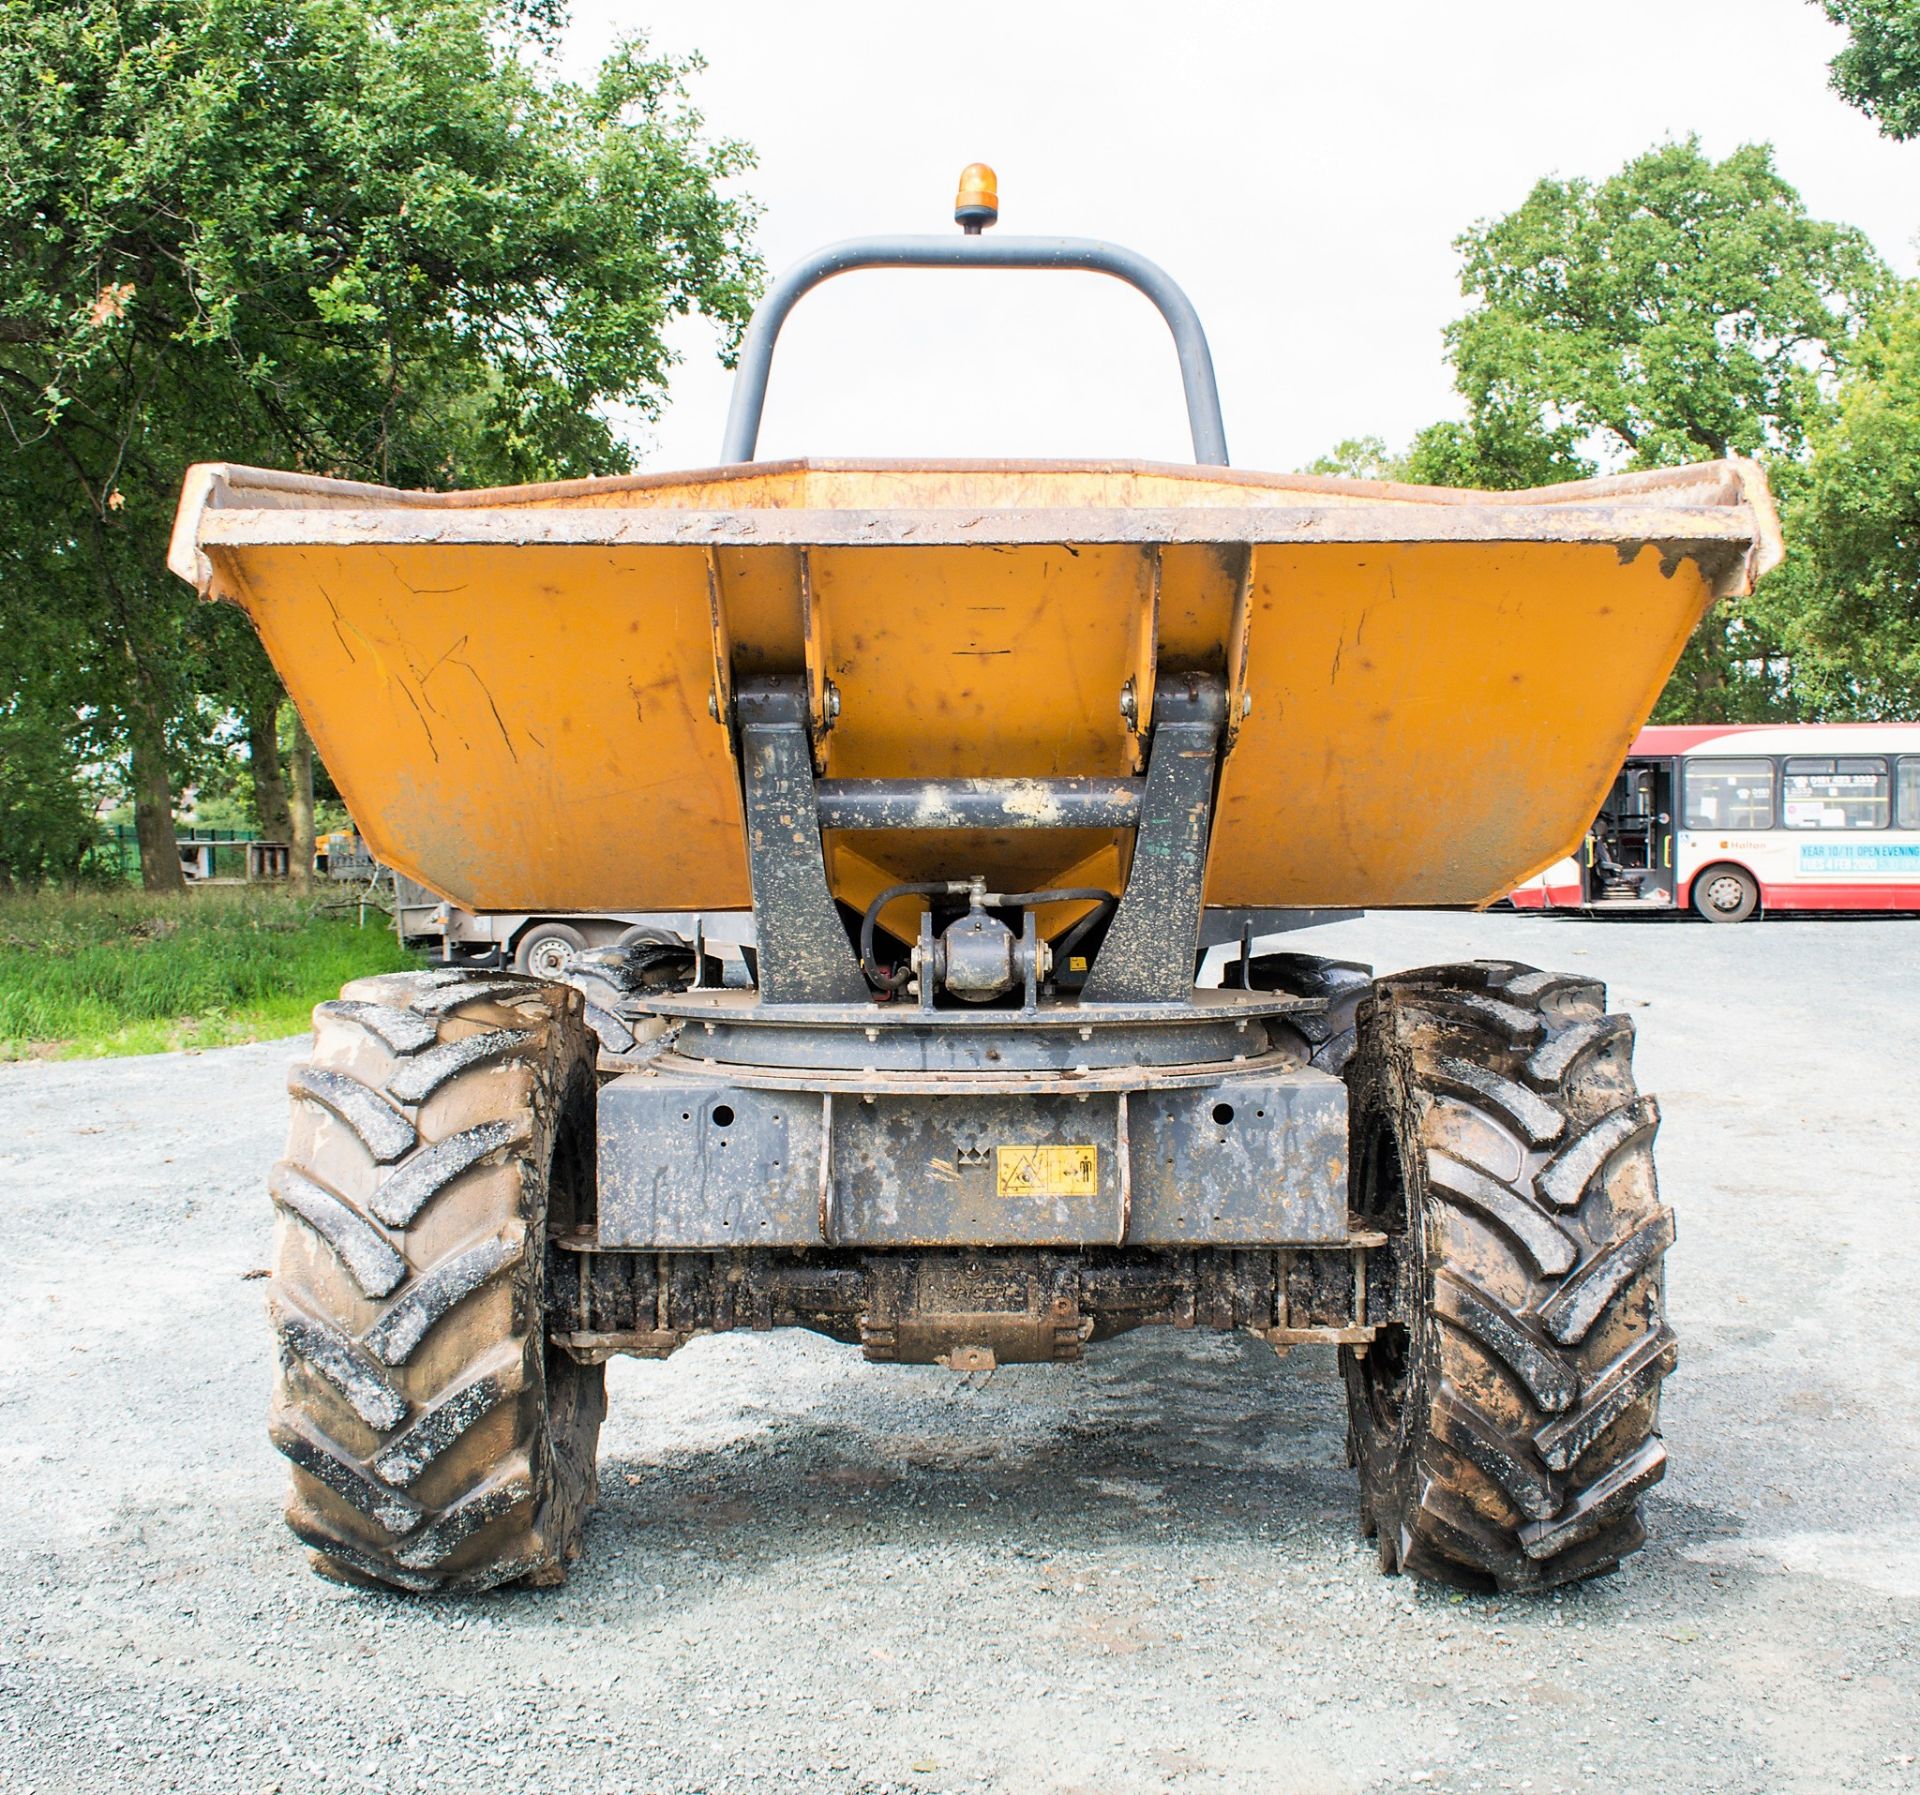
pixel 405 1460
pixel 415 1374
pixel 337 1359
pixel 421 1076
pixel 1548 1344
pixel 1565 1178
pixel 395 1336
pixel 380 1126
pixel 370 1258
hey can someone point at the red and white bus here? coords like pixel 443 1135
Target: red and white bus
pixel 1734 819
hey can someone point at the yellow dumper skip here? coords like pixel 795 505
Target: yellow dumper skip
pixel 1003 699
pixel 517 690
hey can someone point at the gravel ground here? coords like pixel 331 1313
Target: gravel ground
pixel 814 1574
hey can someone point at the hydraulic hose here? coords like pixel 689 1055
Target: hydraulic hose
pixel 896 980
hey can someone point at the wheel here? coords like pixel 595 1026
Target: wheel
pixel 547 949
pixel 643 934
pixel 617 981
pixel 1503 1437
pixel 443 1127
pixel 1725 894
pixel 1342 983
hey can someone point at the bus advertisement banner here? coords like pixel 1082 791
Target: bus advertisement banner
pixel 1824 859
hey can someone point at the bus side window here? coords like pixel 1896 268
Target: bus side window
pixel 1727 794
pixel 1906 808
pixel 1844 793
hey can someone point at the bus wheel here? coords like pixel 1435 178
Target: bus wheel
pixel 1505 1433
pixel 1725 894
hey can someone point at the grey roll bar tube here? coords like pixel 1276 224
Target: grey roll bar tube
pixel 1084 254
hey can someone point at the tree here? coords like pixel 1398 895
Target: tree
pixel 1493 452
pixel 378 240
pixel 48 738
pixel 1680 310
pixel 1357 458
pixel 46 816
pixel 1879 70
pixel 47 821
pixel 1474 455
pixel 1852 579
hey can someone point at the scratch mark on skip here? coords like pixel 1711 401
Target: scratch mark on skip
pixel 500 722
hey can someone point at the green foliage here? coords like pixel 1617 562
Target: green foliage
pixel 1849 597
pixel 1493 452
pixel 372 236
pixel 1451 454
pixel 46 809
pixel 1357 458
pixel 129 973
pixel 1734 669
pixel 1678 311
pixel 46 740
pixel 1879 70
pixel 377 240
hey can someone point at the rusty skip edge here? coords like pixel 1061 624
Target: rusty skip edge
pixel 220 484
pixel 1720 514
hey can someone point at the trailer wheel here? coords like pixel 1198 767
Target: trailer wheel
pixel 1725 894
pixel 443 1127
pixel 548 949
pixel 1504 1437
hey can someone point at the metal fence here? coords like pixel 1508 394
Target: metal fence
pixel 205 854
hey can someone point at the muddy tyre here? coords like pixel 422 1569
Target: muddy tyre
pixel 617 983
pixel 1504 1437
pixel 1341 984
pixel 442 1128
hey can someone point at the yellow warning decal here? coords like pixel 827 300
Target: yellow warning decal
pixel 1046 1171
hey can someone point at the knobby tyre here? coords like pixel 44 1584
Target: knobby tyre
pixel 1505 1436
pixel 443 1128
pixel 1341 985
pixel 618 981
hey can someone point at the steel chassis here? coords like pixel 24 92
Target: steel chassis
pixel 815 1154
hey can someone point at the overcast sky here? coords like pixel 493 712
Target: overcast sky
pixel 1301 169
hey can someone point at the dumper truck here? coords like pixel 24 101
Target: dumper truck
pixel 989 750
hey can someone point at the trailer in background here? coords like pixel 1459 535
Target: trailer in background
pixel 544 944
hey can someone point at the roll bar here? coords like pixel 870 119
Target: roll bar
pixel 1083 254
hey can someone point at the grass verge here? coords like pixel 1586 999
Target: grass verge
pixel 95 973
